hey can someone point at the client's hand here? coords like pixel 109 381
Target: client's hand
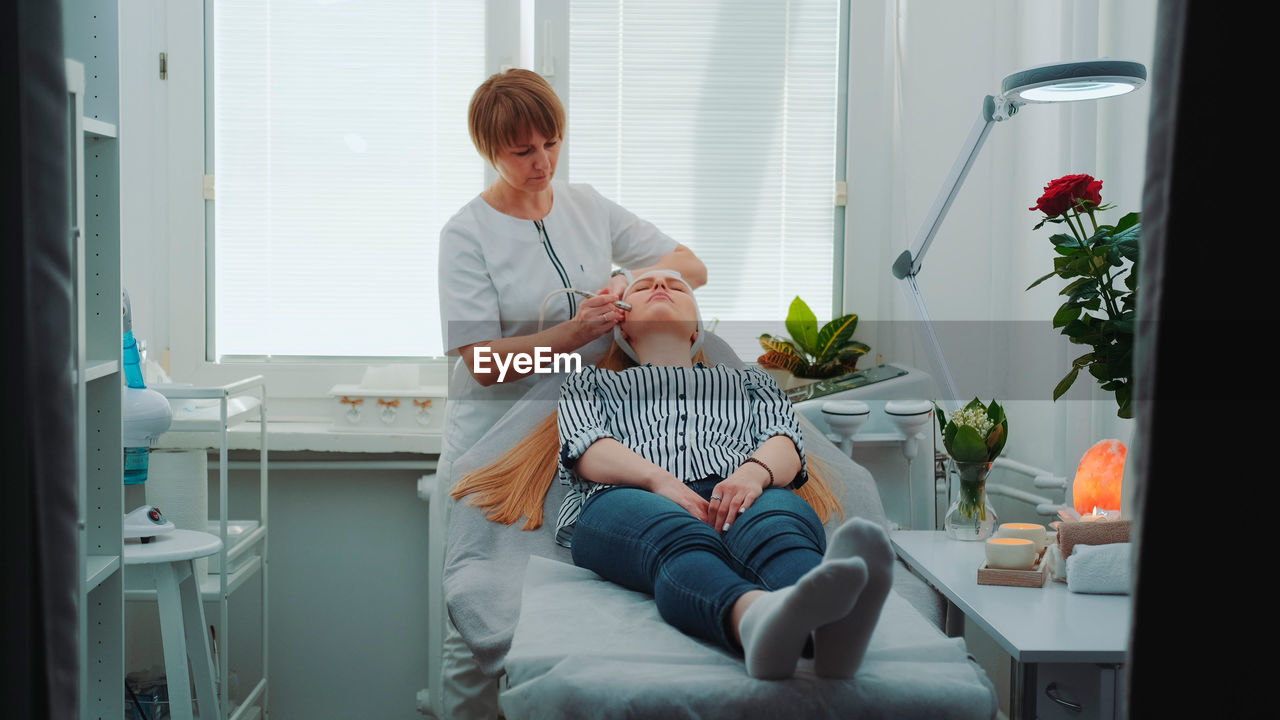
pixel 672 489
pixel 736 494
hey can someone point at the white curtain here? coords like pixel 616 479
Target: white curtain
pixel 717 122
pixel 340 150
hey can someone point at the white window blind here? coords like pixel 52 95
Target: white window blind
pixel 717 122
pixel 340 150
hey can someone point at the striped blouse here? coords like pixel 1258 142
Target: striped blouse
pixel 693 422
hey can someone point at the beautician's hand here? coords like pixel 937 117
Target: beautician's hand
pixel 736 494
pixel 597 316
pixel 617 285
pixel 683 496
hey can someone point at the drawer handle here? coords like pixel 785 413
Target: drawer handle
pixel 1052 693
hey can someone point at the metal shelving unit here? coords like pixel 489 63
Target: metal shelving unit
pixel 216 410
pixel 93 192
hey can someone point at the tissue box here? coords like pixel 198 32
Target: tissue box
pixel 357 408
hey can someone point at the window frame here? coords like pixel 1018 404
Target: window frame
pixel 511 40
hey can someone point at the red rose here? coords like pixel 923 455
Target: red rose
pixel 1065 192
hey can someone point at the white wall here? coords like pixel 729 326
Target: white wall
pixel 144 193
pixel 919 71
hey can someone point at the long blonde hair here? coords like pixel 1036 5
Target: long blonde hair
pixel 516 484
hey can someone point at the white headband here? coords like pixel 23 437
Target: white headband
pixel 617 329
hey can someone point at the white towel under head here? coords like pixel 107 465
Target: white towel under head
pixel 1101 569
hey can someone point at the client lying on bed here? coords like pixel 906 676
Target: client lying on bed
pixel 683 485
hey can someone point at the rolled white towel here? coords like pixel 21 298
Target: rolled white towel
pixel 1100 569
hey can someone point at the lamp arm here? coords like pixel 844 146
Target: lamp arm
pixel 950 399
pixel 908 264
pixel 993 110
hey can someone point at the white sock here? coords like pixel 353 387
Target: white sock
pixel 838 647
pixel 775 626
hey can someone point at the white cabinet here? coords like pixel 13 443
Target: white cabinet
pixel 1067 691
pixel 1067 649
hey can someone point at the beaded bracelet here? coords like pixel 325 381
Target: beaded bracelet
pixel 766 469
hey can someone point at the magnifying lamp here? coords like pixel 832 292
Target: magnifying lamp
pixel 1059 82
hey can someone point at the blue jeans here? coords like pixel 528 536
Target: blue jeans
pixel 648 543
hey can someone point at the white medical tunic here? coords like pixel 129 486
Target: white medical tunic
pixel 495 270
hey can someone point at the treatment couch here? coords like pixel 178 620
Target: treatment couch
pixel 565 643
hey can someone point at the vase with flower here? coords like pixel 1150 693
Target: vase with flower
pixel 974 436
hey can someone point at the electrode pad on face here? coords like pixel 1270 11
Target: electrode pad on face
pixel 617 329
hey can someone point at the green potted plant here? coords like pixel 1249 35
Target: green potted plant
pixel 812 352
pixel 1099 311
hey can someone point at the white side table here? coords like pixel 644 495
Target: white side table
pixel 1068 648
pixel 182 626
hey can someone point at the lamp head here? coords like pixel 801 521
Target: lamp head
pixel 1069 81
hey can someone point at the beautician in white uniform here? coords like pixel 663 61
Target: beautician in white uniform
pixel 524 237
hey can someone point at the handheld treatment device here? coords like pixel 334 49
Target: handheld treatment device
pixel 542 312
pixel 616 303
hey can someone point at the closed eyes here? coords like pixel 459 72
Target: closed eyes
pixel 672 284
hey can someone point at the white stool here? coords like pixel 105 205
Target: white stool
pixel 182 626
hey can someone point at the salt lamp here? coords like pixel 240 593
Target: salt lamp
pixel 1097 483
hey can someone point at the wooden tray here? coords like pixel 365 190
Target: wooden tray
pixel 1014 578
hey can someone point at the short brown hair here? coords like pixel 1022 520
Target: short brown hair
pixel 507 105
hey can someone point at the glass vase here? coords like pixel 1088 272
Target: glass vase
pixel 971 516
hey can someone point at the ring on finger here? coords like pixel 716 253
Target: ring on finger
pixel 715 497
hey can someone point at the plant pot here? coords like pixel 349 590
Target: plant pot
pixel 787 381
pixel 971 516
